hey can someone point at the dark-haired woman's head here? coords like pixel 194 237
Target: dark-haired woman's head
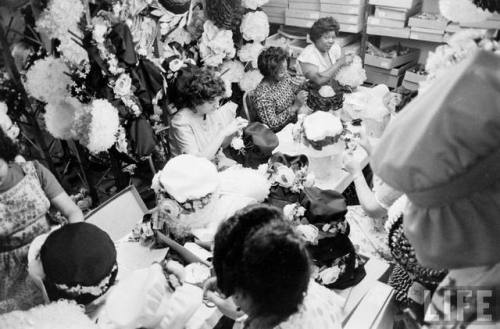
pixel 323 33
pixel 199 89
pixel 272 63
pixel 8 149
pixel 261 261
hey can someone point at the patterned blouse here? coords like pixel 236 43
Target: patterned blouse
pixel 273 100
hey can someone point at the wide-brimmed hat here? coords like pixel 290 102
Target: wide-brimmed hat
pixel 176 6
pixel 75 262
pixel 443 152
pixel 187 177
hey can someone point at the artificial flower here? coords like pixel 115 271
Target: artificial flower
pixel 60 117
pixel 255 26
pixel 329 275
pixel 232 71
pixel 59 17
pixel 228 88
pixel 72 52
pixel 352 75
pixel 47 81
pixel 309 233
pixel 463 11
pixel 121 140
pixel 294 212
pixel 181 36
pixel 253 4
pixel 250 53
pixel 237 143
pixel 176 64
pixel 99 29
pixel 309 180
pixel 196 273
pixel 284 176
pixel 326 91
pixel 96 126
pixel 250 80
pixel 216 44
pixel 6 124
pixel 123 85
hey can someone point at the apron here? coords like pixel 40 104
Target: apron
pixel 22 218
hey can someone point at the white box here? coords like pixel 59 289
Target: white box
pixel 304 6
pixel 396 13
pixel 276 19
pixel 341 9
pixel 345 19
pixel 385 22
pixel 274 11
pixel 292 21
pixel 343 2
pixel 403 33
pixel 277 3
pixel 302 14
pixel 424 30
pixel 351 28
pixel 426 36
pixel 407 4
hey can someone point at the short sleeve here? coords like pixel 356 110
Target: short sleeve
pixel 335 52
pixel 182 140
pixel 309 56
pixel 48 181
pixel 384 194
pixel 227 113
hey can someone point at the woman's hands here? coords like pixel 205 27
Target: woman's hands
pixel 300 99
pixel 346 60
pixel 352 165
pixel 225 305
pixel 236 125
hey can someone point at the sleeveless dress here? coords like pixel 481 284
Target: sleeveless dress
pixel 22 218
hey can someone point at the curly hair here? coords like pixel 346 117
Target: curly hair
pixel 8 149
pixel 257 252
pixel 322 26
pixel 195 86
pixel 270 61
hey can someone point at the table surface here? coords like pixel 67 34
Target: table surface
pixel 339 179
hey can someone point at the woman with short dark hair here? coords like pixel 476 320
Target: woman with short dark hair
pixel 200 127
pixel 262 263
pixel 320 61
pixel 278 97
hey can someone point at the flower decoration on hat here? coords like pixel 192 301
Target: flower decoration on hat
pixel 352 75
pixel 291 176
pixel 318 130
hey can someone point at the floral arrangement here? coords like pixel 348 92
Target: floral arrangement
pixel 250 80
pixel 295 213
pixel 295 179
pixel 47 79
pixel 216 44
pixel 318 130
pixel 6 124
pixel 60 117
pixel 255 26
pixel 96 126
pixel 249 52
pixel 353 75
pixel 463 11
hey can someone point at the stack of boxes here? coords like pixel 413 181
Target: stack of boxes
pixel 391 17
pixel 275 10
pixel 389 70
pixel 349 13
pixel 428 27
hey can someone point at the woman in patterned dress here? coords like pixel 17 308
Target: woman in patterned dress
pixel 278 98
pixel 262 263
pixel 26 193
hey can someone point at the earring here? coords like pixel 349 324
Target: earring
pixel 238 309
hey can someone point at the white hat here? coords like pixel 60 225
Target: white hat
pixel 320 125
pixel 187 177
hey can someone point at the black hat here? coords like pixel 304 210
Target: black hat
pixel 79 261
pixel 323 206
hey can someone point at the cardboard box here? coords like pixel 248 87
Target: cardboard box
pixel 403 33
pixel 385 22
pixel 414 77
pixel 304 6
pixel 389 63
pixel 302 14
pixel 274 11
pixel 423 30
pixel 395 13
pixel 435 24
pixel 342 9
pixel 277 3
pixel 407 4
pixel 390 77
pixel 299 22
pixel 492 24
pixel 432 37
pixel 345 19
pixel 308 1
pixel 453 27
pixel 351 28
pixel 410 85
pixel 343 2
pixel 276 19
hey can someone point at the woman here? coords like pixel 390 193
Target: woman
pixel 201 127
pixel 26 193
pixel 278 98
pixel 320 61
pixel 263 264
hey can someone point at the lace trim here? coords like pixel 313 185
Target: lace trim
pixel 95 290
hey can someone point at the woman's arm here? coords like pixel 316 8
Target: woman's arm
pixel 266 111
pixel 312 73
pixel 67 207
